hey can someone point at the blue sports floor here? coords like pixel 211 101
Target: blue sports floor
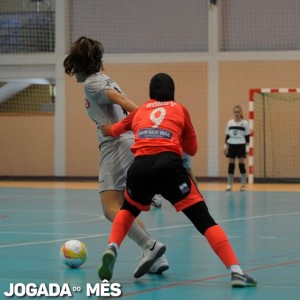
pixel 263 225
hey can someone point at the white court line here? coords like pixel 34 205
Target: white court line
pixel 230 220
pixel 53 241
pixel 99 218
pixel 229 236
pixel 151 229
pixel 36 233
pixel 46 211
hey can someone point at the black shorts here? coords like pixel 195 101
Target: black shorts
pixel 238 150
pixel 163 174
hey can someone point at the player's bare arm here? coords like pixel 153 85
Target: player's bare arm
pixel 117 98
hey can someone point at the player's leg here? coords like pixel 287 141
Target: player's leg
pixel 141 194
pixel 189 200
pixel 199 215
pixel 125 217
pixel 111 202
pixel 230 173
pixel 114 165
pixel 121 225
pixel 243 172
pixel 152 259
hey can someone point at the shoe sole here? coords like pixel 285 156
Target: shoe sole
pixel 105 271
pixel 143 269
pixel 160 270
pixel 241 284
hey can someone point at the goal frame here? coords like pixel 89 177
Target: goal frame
pixel 252 92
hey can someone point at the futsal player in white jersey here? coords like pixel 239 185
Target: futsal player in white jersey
pixel 236 146
pixel 105 103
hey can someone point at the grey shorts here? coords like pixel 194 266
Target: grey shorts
pixel 115 159
pixel 187 161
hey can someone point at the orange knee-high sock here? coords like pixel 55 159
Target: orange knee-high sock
pixel 121 226
pixel 218 241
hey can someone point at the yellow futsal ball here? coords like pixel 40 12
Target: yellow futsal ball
pixel 73 253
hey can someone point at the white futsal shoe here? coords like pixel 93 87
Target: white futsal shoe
pixel 243 188
pixel 150 255
pixel 160 265
pixel 157 200
pixel 228 187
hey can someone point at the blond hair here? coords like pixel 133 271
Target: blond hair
pixel 240 108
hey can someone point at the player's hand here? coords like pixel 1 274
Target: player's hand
pixel 106 129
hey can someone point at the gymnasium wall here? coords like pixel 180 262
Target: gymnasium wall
pixel 214 53
pixel 26 147
pixel 236 78
pixel 28 141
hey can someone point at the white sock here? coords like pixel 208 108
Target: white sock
pixel 244 179
pixel 139 236
pixel 236 269
pixel 230 179
pixel 115 246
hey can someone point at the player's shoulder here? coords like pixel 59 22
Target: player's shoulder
pixel 98 79
pixel 177 109
pixel 245 122
pixel 180 106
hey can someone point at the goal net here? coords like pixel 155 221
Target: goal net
pixel 275 143
pixel 27 97
pixel 27 26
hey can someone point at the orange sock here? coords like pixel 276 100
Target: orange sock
pixel 121 226
pixel 218 241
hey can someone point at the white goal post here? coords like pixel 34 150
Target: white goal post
pixel 252 93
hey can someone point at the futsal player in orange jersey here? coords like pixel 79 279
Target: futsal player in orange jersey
pixel 163 129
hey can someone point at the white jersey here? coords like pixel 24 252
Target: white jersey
pixel 116 155
pixel 98 106
pixel 237 131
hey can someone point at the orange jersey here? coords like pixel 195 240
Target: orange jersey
pixel 159 126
